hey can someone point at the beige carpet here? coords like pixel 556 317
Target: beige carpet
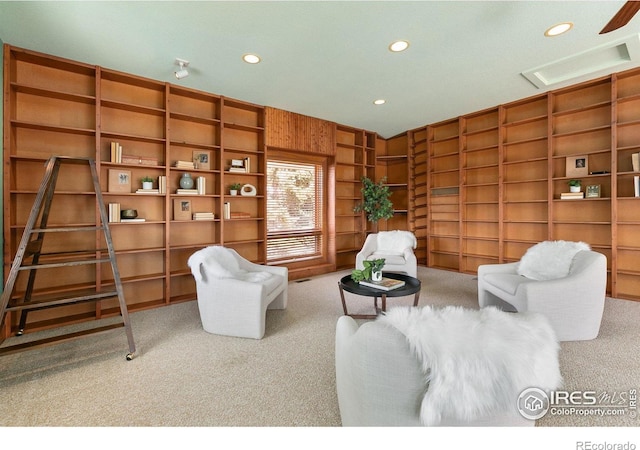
pixel 183 376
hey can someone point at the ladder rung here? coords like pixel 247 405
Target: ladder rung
pixel 15 348
pixel 43 303
pixel 67 229
pixel 65 264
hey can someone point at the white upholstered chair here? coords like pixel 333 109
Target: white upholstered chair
pixel 396 247
pixel 382 382
pixel 566 281
pixel 234 293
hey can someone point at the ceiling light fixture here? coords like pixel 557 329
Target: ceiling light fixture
pixel 182 72
pixel 379 102
pixel 558 29
pixel 251 58
pixel 399 46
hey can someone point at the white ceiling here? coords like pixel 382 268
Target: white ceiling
pixel 326 59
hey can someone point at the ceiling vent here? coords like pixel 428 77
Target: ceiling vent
pixel 603 60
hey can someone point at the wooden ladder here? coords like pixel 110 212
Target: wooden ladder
pixel 31 248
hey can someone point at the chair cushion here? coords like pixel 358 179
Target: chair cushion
pixel 392 259
pixel 549 260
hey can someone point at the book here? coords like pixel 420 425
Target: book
pixel 636 186
pixel 571 195
pixel 635 162
pixel 386 284
pixel 137 219
pixel 187 191
pixel 147 191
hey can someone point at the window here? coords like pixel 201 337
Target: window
pixel 294 210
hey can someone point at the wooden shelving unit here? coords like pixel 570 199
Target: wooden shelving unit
pixel 392 162
pixel 60 107
pixel 418 206
pixel 495 179
pixel 525 171
pixel 480 206
pixel 354 158
pixel 443 195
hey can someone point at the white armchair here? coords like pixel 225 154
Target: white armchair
pixel 573 300
pixel 234 294
pixel 396 247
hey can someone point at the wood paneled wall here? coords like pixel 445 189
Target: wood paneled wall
pixel 291 131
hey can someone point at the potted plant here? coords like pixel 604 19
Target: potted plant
pixel 574 185
pixel 234 188
pixel 375 200
pixel 372 271
pixel 147 182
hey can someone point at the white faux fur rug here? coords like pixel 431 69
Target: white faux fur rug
pixel 477 362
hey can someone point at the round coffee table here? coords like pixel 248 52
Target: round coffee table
pixel 411 287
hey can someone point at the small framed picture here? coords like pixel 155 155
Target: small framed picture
pixel 593 191
pixel 119 180
pixel 202 159
pixel 181 209
pixel 577 166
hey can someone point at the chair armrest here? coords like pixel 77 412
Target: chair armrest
pixel 369 247
pixel 484 269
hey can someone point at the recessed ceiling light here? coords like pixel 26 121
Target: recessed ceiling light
pixel 379 102
pixel 558 29
pixel 398 46
pixel 251 58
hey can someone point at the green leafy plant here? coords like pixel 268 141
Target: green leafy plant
pixel 235 186
pixel 574 182
pixel 146 179
pixel 374 265
pixel 376 201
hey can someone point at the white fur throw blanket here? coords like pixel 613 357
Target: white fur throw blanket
pixel 549 260
pixel 218 262
pixel 477 362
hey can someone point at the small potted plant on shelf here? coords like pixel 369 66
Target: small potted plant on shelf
pixel 234 188
pixel 147 182
pixel 574 185
pixel 372 271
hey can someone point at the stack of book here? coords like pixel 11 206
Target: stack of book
pixel 201 185
pixel 116 152
pixel 114 212
pixel 571 195
pixel 186 191
pixel 185 165
pixel 227 210
pixel 386 284
pixel 239 215
pixel 204 216
pixel 162 184
pixel 148 191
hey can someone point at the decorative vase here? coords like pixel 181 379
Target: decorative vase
pixel 233 192
pixel 376 276
pixel 574 188
pixel 186 182
pixel 147 185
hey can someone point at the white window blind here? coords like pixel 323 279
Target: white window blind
pixel 294 210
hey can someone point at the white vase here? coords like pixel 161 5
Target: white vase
pixel 376 276
pixel 147 185
pixel 574 188
pixel 233 192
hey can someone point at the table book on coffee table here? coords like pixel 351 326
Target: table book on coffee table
pixel 386 284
